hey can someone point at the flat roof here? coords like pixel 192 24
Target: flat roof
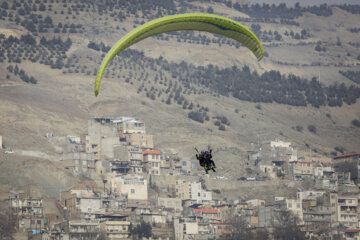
pixel 207 210
pixel 151 152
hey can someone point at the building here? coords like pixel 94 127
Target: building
pixel 295 205
pixel 315 217
pixel 212 215
pixel 79 163
pixel 141 140
pixel 151 161
pixel 221 229
pixel 192 191
pixel 347 211
pixel 136 160
pixel 29 212
pixel 170 203
pixel 348 163
pixel 116 229
pixel 279 144
pixel 102 137
pixel 79 230
pixel 256 202
pixel 130 125
pixel 186 228
pixel 80 203
pixel 135 187
pixel 53 212
pixel 302 168
pixel 120 166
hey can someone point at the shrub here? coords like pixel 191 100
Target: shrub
pixel 355 123
pixel 196 116
pixel 299 128
pixel 312 129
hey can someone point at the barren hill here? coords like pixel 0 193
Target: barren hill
pixel 148 82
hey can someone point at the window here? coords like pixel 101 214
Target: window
pixel 132 191
pixel 39 222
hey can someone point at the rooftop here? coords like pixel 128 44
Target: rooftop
pixel 207 210
pixel 151 152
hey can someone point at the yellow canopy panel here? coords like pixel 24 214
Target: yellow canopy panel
pixel 188 21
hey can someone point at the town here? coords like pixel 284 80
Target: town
pixel 132 190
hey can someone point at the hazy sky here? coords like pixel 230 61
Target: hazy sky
pixel 306 2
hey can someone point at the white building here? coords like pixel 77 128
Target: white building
pixel 134 186
pixel 192 191
pixel 279 143
pixel 186 228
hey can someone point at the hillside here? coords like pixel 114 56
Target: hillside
pixel 58 46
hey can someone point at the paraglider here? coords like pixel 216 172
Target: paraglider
pixel 189 21
pixel 205 160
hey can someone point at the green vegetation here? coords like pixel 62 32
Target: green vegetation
pixel 312 129
pixel 351 75
pixel 355 123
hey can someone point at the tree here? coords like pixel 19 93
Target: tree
pixel 142 230
pixel 312 129
pixel 241 229
pixel 262 234
pixel 355 123
pixel 286 227
pixel 7 223
pixel 210 10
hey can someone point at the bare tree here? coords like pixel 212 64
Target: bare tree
pixel 241 229
pixel 286 227
pixel 262 234
pixel 7 222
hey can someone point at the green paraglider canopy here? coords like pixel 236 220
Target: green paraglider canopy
pixel 188 21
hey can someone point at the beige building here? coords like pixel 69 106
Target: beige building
pixel 152 161
pixel 102 137
pixel 295 205
pixel 279 143
pixel 79 230
pixel 186 228
pixel 79 163
pixel 80 202
pixel 29 212
pixel 131 126
pixel 136 160
pixel 141 140
pixel 170 203
pixel 116 229
pixel 256 202
pixel 134 186
pixel 192 191
pixel 347 211
pixel 303 168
